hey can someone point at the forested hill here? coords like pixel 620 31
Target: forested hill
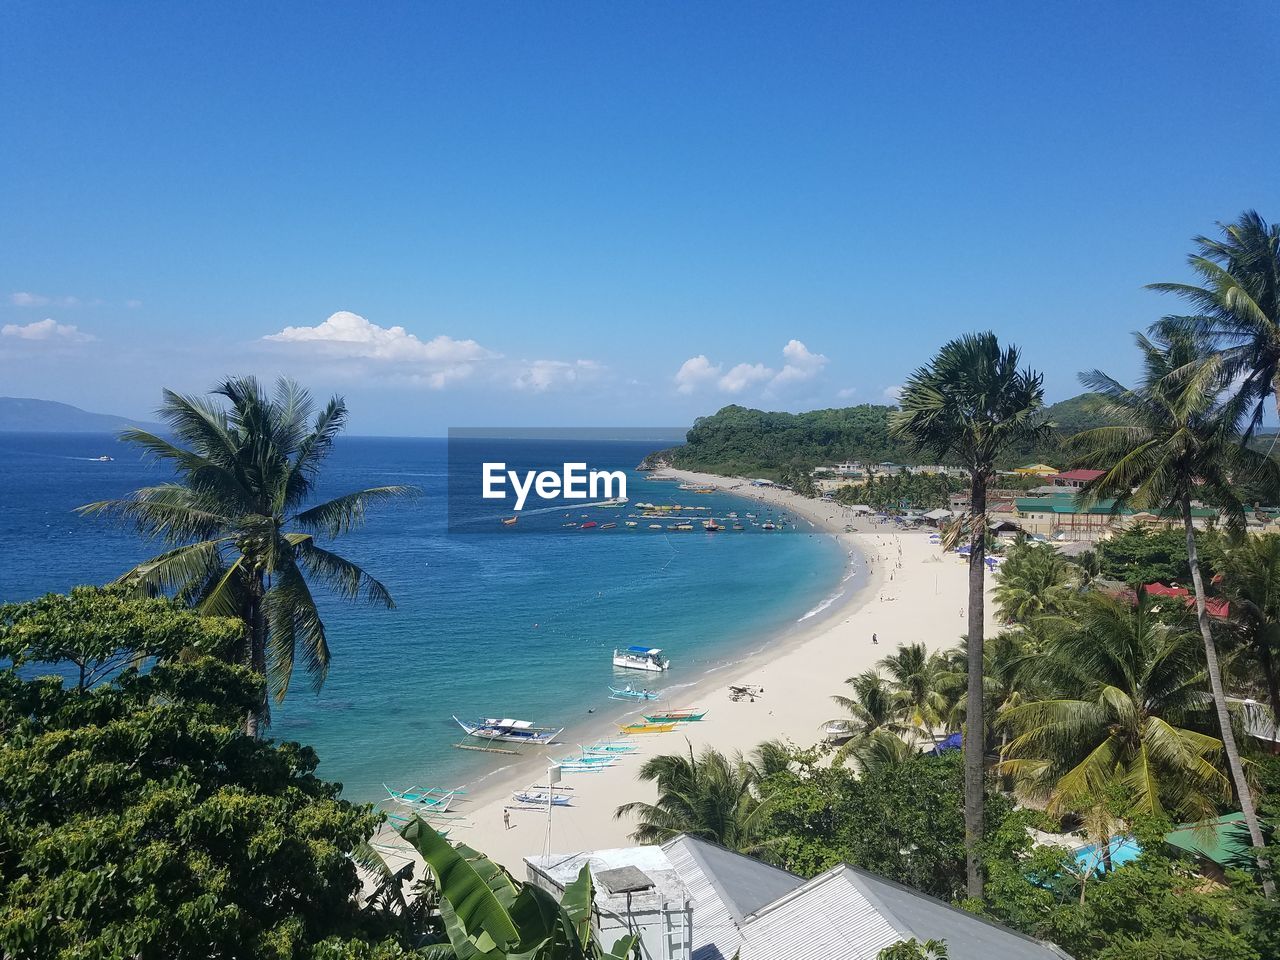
pixel 741 441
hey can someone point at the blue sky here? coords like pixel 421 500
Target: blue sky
pixel 564 206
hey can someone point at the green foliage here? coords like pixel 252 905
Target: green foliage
pixel 707 795
pixel 898 491
pixel 1124 708
pixel 913 949
pixel 1034 581
pixel 98 631
pixel 1141 555
pixel 490 916
pixel 139 821
pixel 1153 908
pixel 904 822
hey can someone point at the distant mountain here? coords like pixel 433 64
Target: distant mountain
pixel 26 415
pixel 1082 412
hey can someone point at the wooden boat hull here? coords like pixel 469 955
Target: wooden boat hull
pixel 679 716
pixel 631 728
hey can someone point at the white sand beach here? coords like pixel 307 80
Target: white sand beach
pixel 914 593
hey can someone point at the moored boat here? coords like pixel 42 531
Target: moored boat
pixel 509 731
pixel 640 658
pixel 677 716
pixel 509 521
pixel 646 727
pixel 627 693
pixel 542 798
pixel 431 798
pixel 589 525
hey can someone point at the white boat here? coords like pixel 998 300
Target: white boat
pixel 615 502
pixel 640 658
pixel 541 798
pixel 509 731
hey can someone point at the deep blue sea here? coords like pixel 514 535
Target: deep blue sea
pixel 488 624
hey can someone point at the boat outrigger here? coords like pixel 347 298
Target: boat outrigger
pixel 508 731
pixel 542 798
pixel 640 658
pixel 677 716
pixel 627 693
pixel 434 799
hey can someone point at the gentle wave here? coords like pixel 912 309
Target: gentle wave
pixel 822 606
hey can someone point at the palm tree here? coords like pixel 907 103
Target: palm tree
pixel 1251 582
pixel 1174 440
pixel 1034 581
pixel 879 750
pixel 243 475
pixel 919 681
pixel 1128 715
pixel 1237 306
pixel 873 709
pixel 709 795
pixel 972 403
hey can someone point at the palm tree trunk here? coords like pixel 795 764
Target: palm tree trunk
pixel 257 653
pixel 975 733
pixel 1220 702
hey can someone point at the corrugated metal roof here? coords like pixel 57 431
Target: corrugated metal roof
pixel 724 887
pixel 827 919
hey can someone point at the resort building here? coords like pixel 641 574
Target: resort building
pixel 693 900
pixel 1063 517
pixel 1075 479
pixel 1036 470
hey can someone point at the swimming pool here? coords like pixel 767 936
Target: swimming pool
pixel 1121 849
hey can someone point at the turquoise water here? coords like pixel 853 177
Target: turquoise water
pixel 492 625
pixel 1122 849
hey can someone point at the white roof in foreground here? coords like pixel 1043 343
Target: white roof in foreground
pixel 747 908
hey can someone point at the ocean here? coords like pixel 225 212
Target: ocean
pixel 506 622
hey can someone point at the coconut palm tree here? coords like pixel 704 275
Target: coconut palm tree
pixel 1237 306
pixel 1176 439
pixel 1129 714
pixel 920 684
pixel 1034 581
pixel 972 403
pixel 1251 582
pixel 872 709
pixel 708 795
pixel 244 540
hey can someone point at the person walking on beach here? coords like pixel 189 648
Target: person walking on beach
pixel 875 641
pixel 506 819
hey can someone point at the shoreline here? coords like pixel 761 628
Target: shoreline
pixel 823 647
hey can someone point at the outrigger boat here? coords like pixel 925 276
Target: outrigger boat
pixel 646 727
pixel 608 749
pixel 640 658
pixel 432 798
pixel 541 798
pixel 626 693
pixel 677 716
pixel 509 731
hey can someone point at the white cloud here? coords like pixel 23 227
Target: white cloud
pixel 800 364
pixel 540 375
pixel 349 335
pixel 744 375
pixel 695 372
pixel 845 393
pixel 47 329
pixel 893 393
pixel 133 304
pixel 26 299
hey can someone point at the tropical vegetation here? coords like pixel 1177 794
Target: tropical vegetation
pixel 244 538
pixel 973 403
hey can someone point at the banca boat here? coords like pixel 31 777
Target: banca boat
pixel 509 731
pixel 637 727
pixel 640 658
pixel 432 798
pixel 541 798
pixel 677 716
pixel 627 693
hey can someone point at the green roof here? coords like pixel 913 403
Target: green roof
pixel 1223 840
pixel 1067 503
pixel 1063 503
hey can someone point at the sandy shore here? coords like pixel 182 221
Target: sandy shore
pixel 913 593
